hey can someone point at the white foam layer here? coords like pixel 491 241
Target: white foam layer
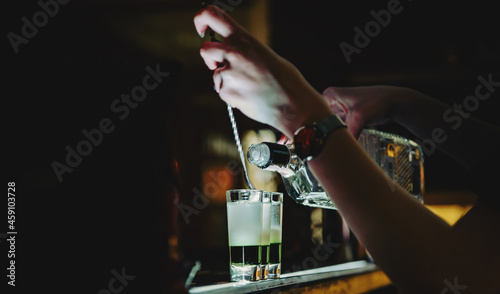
pixel 266 223
pixel 275 234
pixel 244 223
pixel 276 218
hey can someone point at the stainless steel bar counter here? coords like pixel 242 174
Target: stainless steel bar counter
pixel 351 277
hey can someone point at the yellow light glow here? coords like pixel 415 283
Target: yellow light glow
pixel 450 213
pixel 390 150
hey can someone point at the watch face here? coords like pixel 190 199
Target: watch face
pixel 307 142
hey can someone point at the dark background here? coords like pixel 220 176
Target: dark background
pixel 112 210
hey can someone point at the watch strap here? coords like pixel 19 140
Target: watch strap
pixel 307 147
pixel 329 124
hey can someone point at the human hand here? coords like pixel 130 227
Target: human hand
pixel 366 106
pixel 254 79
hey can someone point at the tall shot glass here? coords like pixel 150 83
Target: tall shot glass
pixel 275 240
pixel 244 224
pixel 266 234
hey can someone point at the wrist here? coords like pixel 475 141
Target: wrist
pixel 304 104
pixel 307 113
pixel 309 139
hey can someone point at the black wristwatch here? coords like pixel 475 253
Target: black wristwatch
pixel 308 140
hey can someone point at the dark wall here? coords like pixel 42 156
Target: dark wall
pixel 106 213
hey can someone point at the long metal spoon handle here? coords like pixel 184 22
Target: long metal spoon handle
pixel 233 121
pixel 238 144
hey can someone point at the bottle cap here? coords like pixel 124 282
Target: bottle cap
pixel 259 155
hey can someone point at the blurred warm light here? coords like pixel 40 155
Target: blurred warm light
pixel 173 244
pixel 450 213
pixel 317 226
pixel 220 145
pixel 390 150
pixel 258 21
pixel 216 180
pixel 450 205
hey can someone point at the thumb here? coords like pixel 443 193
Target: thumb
pixel 334 99
pixel 215 18
pixel 355 125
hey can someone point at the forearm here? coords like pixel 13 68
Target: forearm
pixel 398 231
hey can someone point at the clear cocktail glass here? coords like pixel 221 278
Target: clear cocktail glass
pixel 266 235
pixel 275 236
pixel 244 223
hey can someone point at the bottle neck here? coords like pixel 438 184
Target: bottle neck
pixel 268 154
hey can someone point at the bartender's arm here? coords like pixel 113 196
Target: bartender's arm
pixel 469 250
pixel 451 129
pixel 415 248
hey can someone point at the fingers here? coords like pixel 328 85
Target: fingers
pixel 284 140
pixel 335 102
pixel 337 98
pixel 355 126
pixel 329 92
pixel 339 109
pixel 217 80
pixel 217 20
pixel 230 96
pixel 213 53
